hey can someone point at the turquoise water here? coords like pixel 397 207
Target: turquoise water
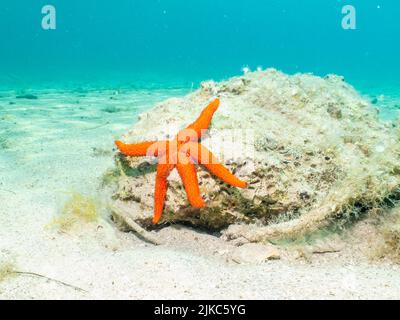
pixel 106 62
pixel 153 49
pixel 176 42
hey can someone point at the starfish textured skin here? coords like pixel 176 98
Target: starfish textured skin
pixel 183 152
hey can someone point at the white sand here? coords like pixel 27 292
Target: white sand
pixel 50 154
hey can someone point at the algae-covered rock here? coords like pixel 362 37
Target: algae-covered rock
pixel 312 149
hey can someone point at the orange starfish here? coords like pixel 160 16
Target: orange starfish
pixel 182 152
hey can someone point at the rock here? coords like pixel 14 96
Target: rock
pixel 111 109
pixel 326 245
pixel 254 253
pixel 27 96
pixel 309 148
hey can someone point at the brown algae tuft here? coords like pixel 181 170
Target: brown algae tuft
pixel 78 209
pixel 389 230
pixel 7 269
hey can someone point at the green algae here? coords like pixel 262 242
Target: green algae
pixel 78 209
pixel 7 269
pixel 4 143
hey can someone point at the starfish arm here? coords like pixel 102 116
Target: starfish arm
pixel 203 121
pixel 163 171
pixel 205 157
pixel 138 149
pixel 188 174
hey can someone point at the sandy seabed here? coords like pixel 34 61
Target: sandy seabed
pixel 63 142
